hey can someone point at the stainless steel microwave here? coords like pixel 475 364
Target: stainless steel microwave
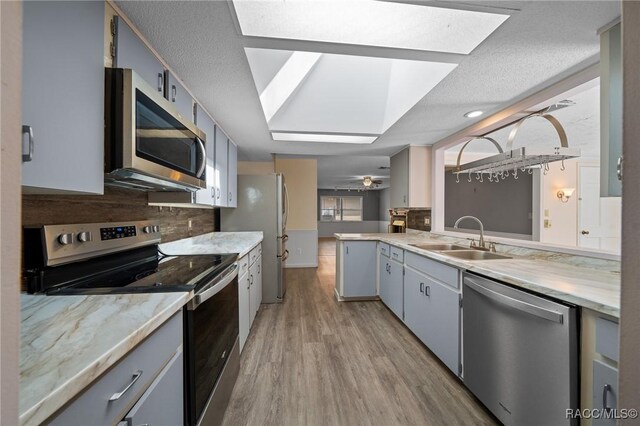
pixel 148 144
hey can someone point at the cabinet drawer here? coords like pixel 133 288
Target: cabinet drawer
pixel 253 255
pixel 243 265
pixel 163 402
pixel 384 249
pixel 446 274
pixel 93 407
pixel 607 338
pixel 397 254
pixel 605 390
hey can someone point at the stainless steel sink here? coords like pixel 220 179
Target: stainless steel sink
pixel 440 247
pixel 474 255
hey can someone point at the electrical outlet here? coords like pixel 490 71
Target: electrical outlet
pixel 427 221
pixel 546 212
pixel 547 223
pixel 189 224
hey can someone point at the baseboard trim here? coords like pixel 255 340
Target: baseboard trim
pixel 302 265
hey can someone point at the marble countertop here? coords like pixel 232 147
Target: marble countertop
pixel 215 243
pixel 582 281
pixel 66 342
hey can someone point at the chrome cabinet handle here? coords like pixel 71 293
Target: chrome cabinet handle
pixel 584 232
pixel 605 392
pixel 173 93
pixel 619 168
pixel 251 280
pixel 218 192
pixel 28 130
pixel 421 287
pixel 160 82
pixel 427 291
pixel 259 268
pixel 230 197
pixel 116 396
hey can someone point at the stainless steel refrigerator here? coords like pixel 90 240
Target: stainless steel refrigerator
pixel 262 206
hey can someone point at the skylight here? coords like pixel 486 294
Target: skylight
pixel 368 23
pixel 320 93
pixel 318 137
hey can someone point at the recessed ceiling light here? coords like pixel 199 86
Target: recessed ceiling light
pixel 319 137
pixel 369 23
pixel 474 114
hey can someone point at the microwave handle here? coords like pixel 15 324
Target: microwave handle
pixel 203 151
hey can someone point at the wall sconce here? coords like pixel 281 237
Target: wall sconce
pixel 565 193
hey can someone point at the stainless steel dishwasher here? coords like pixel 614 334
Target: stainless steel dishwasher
pixel 520 353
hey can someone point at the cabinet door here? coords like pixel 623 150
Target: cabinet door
pixel 179 97
pixel 221 167
pixel 63 96
pixel 383 278
pixel 359 275
pixel 205 123
pixel 254 303
pixel 442 322
pixel 163 402
pixel 243 307
pixel 132 53
pixel 399 172
pixel 259 282
pixel 605 390
pixel 414 303
pixel 233 175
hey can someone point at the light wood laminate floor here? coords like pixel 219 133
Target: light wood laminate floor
pixel 315 361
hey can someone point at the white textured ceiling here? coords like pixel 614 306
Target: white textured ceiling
pixel 347 171
pixel 539 44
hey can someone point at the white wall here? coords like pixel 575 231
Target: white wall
pixel 385 205
pixel 562 216
pixel 327 229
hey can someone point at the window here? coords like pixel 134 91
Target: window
pixel 340 209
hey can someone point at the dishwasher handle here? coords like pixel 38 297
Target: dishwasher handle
pixel 514 303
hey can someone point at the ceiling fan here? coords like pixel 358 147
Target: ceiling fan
pixel 370 183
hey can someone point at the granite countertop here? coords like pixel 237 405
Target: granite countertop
pixel 66 342
pixel 215 243
pixel 587 282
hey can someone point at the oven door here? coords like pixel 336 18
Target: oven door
pixel 212 352
pixel 150 138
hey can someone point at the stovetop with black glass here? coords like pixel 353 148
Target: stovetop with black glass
pixel 111 258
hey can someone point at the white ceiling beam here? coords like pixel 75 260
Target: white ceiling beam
pixel 286 81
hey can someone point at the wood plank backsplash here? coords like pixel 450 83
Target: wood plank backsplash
pixel 116 205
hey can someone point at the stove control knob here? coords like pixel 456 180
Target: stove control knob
pixel 147 229
pixel 85 236
pixel 156 228
pixel 65 239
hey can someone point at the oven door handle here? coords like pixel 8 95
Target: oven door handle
pixel 212 290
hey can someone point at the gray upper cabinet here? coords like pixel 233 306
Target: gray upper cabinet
pixel 221 168
pixel 232 172
pixel 178 96
pixel 62 97
pixel 206 124
pixel 131 52
pixel 359 273
pixel 400 179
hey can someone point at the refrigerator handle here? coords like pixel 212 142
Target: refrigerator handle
pixel 286 205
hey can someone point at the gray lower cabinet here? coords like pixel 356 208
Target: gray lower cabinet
pixel 244 284
pixel 179 97
pixel 162 403
pixel 131 52
pixel 605 392
pixel 359 269
pixel 108 400
pixel 62 97
pixel 391 285
pixel 254 299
